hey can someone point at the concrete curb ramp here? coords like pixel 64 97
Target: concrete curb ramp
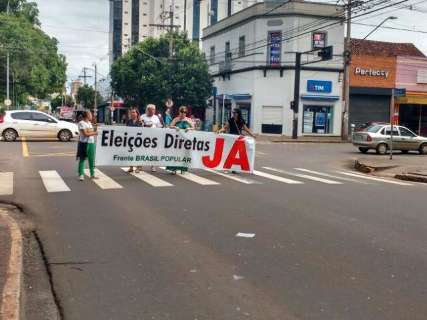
pixel 11 297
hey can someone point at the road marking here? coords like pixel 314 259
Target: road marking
pixel 245 235
pixel 276 178
pixel 331 176
pixel 233 177
pixel 305 176
pixel 25 152
pixel 53 182
pixel 374 178
pixel 11 297
pixel 60 154
pixel 197 179
pixel 6 183
pixel 150 179
pixel 104 181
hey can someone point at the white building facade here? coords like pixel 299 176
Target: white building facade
pixel 252 59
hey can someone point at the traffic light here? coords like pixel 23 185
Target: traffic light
pixel 326 53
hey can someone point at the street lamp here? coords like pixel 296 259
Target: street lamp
pixel 382 22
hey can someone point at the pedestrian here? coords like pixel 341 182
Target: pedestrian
pixel 181 122
pixel 236 125
pixel 168 116
pixel 86 145
pixel 134 121
pixel 151 120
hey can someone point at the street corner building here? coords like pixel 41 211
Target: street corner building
pixel 252 58
pixel 376 69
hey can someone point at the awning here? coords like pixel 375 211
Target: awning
pixel 412 99
pixel 236 97
pixel 315 97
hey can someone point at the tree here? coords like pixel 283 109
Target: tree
pixel 60 100
pixel 86 97
pixel 36 68
pixel 140 79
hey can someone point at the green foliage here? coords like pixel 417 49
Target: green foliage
pixel 86 97
pixel 36 68
pixel 140 79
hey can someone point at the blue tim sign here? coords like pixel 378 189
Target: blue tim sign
pixel 319 86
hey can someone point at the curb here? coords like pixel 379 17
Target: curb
pixel 411 177
pixel 362 167
pixel 11 297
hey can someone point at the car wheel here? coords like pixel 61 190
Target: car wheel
pixel 382 148
pixel 64 135
pixel 423 148
pixel 363 149
pixel 405 151
pixel 10 135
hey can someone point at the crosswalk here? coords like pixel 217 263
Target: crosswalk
pixel 53 182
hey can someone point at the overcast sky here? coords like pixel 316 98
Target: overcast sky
pixel 81 26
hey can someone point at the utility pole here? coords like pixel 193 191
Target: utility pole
pixel 295 103
pixel 7 64
pixel 347 60
pixel 95 109
pixel 85 76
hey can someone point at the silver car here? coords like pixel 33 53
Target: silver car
pixel 378 137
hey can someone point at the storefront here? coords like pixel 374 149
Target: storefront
pixel 371 81
pixel 318 108
pixel 412 75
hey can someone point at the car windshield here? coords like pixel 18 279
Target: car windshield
pixel 374 128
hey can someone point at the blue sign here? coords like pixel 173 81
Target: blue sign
pixel 275 47
pixel 319 86
pixel 399 92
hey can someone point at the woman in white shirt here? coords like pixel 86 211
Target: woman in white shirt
pixel 86 146
pixel 150 120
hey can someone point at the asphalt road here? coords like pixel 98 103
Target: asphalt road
pixel 355 250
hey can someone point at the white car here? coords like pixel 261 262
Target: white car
pixel 35 124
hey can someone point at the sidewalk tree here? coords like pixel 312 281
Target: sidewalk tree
pixel 36 68
pixel 86 97
pixel 140 79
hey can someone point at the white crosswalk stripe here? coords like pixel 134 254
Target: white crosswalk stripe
pixel 53 182
pixel 104 181
pixel 195 178
pixel 6 183
pixel 304 176
pixel 374 178
pixel 150 179
pixel 331 176
pixel 234 177
pixel 276 178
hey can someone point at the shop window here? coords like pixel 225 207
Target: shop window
pixel 317 119
pixel 212 55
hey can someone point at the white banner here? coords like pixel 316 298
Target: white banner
pixel 136 146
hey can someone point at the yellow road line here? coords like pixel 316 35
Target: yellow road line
pixel 25 152
pixel 54 155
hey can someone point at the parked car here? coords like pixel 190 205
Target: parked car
pixel 378 137
pixel 35 124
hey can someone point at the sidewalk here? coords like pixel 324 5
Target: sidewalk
pixel 411 167
pixel 303 139
pixel 11 266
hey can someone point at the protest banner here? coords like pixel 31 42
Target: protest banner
pixel 135 146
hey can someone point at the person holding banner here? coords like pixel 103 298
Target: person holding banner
pixel 181 122
pixel 134 121
pixel 151 120
pixel 86 145
pixel 168 116
pixel 236 125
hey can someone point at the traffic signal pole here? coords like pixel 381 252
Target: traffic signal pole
pixel 295 104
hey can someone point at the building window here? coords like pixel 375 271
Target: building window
pixel 242 45
pixel 318 40
pixel 227 51
pixel 274 48
pixel 212 55
pixel 317 119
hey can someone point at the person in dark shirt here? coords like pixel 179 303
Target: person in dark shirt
pixel 236 125
pixel 134 122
